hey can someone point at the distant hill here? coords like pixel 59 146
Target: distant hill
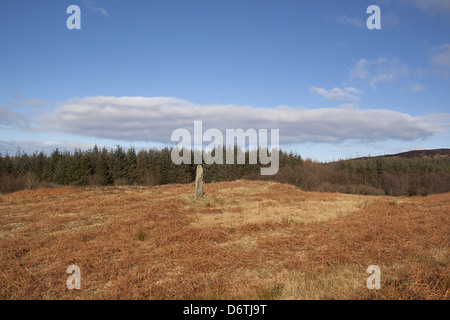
pixel 413 154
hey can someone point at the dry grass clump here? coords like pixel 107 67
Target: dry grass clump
pixel 243 240
pixel 274 202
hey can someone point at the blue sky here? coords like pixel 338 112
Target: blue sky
pixel 137 70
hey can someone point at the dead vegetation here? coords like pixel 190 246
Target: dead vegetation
pixel 243 240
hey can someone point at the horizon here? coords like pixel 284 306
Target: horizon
pixel 137 71
pixel 19 152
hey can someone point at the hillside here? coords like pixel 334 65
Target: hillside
pixel 243 240
pixel 415 154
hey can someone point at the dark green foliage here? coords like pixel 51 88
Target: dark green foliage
pixel 103 176
pixel 396 176
pixel 141 235
pixel 376 176
pixel 131 166
pixel 119 172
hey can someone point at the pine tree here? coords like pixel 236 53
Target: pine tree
pixel 119 173
pixel 102 168
pixel 131 166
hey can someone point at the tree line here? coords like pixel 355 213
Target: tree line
pixel 118 166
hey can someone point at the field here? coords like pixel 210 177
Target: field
pixel 243 240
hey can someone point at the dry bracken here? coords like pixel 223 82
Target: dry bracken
pixel 242 240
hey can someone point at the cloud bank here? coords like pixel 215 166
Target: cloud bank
pixel 152 119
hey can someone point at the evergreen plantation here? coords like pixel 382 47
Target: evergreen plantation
pixel 104 167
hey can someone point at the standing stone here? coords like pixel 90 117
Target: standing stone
pixel 199 182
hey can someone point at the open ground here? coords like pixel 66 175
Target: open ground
pixel 243 240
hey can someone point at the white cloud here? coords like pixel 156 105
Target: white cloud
pixel 432 6
pixel 30 103
pixel 88 4
pixel 154 119
pixel 389 19
pixel 440 61
pixel 338 93
pixel 378 71
pixel 351 21
pixel 415 87
pixel 12 118
pixel 360 71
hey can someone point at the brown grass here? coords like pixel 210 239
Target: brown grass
pixel 243 240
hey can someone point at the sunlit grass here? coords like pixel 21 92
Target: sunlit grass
pixel 243 240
